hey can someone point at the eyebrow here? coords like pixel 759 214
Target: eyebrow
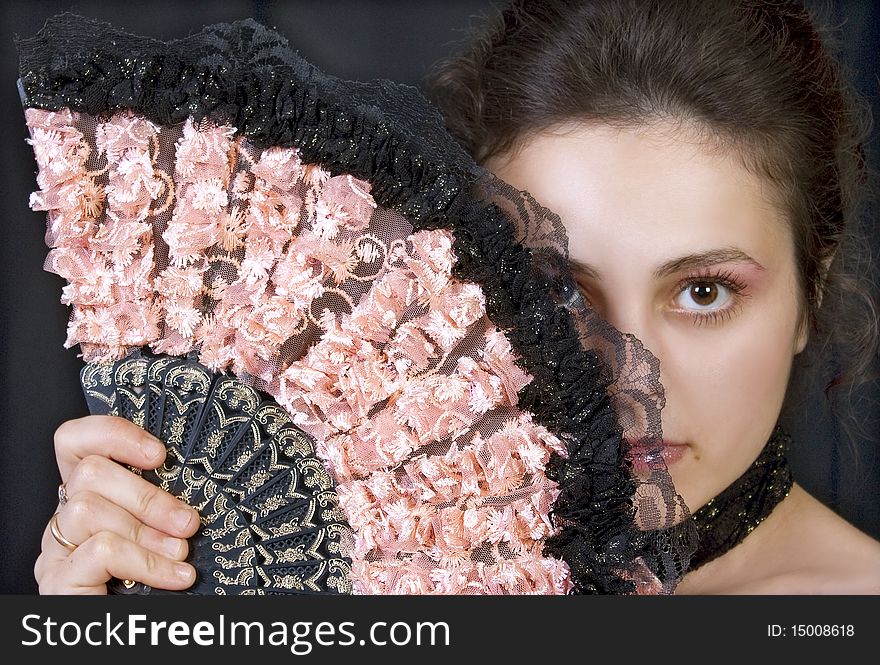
pixel 688 262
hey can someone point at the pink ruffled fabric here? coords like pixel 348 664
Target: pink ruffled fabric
pixel 189 238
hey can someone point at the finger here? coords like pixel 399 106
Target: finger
pixel 87 514
pixel 107 436
pixel 52 551
pixel 143 500
pixel 91 565
pixel 43 563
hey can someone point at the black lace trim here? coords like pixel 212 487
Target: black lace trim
pixel 245 75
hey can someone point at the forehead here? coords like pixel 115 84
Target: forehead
pixel 652 191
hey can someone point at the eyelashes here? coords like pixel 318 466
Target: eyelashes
pixel 735 289
pixel 731 287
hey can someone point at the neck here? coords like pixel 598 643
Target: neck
pixel 756 561
pixel 732 515
pixel 754 499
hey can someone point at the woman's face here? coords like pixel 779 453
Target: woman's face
pixel 680 245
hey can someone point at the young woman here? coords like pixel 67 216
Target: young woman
pixel 703 158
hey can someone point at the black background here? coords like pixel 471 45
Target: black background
pixel 356 39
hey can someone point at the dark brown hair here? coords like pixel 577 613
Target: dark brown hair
pixel 756 76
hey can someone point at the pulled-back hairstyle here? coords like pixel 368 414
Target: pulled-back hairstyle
pixel 752 75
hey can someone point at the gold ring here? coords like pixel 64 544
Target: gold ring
pixel 62 494
pixel 56 534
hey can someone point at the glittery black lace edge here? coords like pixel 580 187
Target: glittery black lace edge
pixel 245 75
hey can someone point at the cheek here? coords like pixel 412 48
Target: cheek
pixel 728 385
pixel 749 374
pixel 724 395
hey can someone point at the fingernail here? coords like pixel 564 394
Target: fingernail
pixel 152 448
pixel 173 546
pixel 184 571
pixel 182 517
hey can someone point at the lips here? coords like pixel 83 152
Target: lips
pixel 647 455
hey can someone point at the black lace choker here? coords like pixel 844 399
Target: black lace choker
pixel 732 515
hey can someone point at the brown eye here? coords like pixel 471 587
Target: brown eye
pixel 704 293
pixel 704 296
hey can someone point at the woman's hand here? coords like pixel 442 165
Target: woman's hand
pixel 122 525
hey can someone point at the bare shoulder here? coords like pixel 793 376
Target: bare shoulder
pixel 824 553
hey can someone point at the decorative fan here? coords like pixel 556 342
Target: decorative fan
pixel 270 520
pixel 327 243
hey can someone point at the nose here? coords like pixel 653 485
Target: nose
pixel 629 316
pixel 637 392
